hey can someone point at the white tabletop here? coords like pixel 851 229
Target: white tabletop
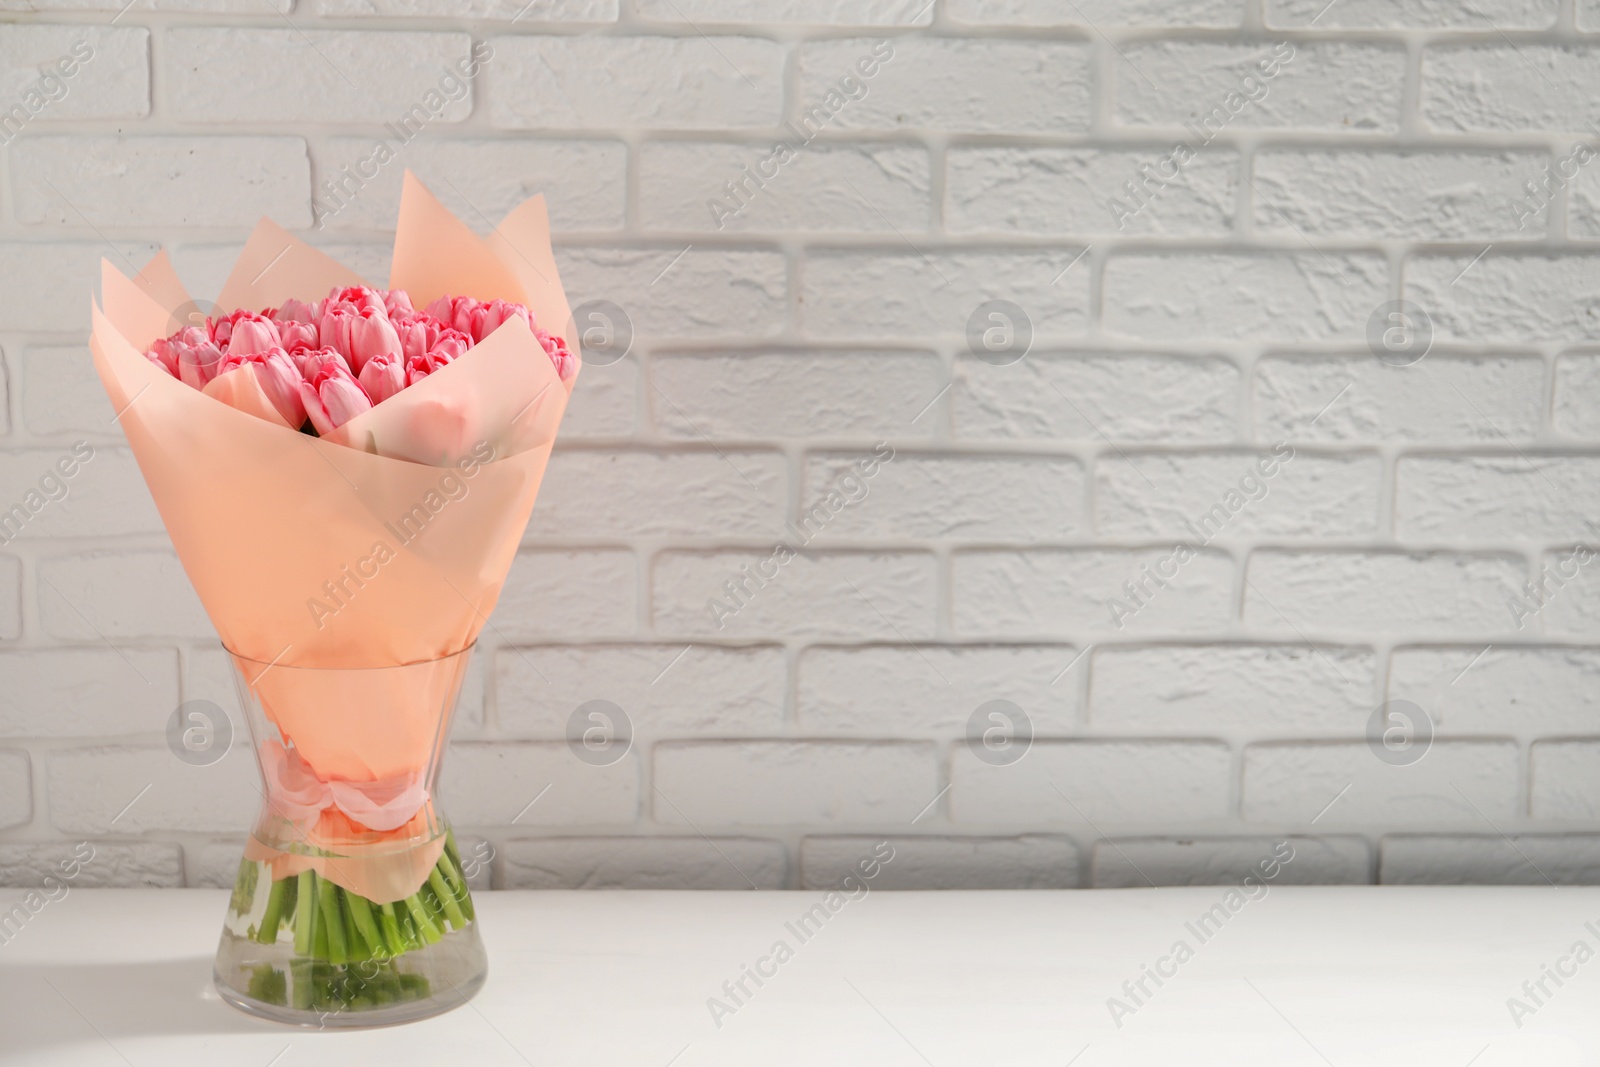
pixel 1337 975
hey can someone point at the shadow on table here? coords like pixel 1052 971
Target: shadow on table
pixel 67 1004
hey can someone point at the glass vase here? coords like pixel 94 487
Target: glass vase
pixel 351 906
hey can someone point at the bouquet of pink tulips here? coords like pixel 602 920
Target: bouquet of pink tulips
pixel 321 364
pixel 346 480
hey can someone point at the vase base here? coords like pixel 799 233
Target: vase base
pixel 341 1019
pixel 272 982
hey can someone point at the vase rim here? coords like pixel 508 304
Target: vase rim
pixel 279 665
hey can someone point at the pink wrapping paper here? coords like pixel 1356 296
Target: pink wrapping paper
pixel 384 545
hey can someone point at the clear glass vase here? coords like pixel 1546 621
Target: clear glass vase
pixel 351 907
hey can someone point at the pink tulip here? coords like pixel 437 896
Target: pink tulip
pixel 397 302
pixel 297 334
pixel 383 376
pixel 278 377
pixel 252 333
pixel 355 298
pixel 446 351
pixel 331 394
pixel 371 334
pixel 188 355
pixel 333 331
pixel 454 312
pixel 565 362
pixel 295 311
pixel 487 318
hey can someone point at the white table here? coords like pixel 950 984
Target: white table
pixel 1339 975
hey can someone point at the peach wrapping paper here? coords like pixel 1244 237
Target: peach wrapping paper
pixel 262 515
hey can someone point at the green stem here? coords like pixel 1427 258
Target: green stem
pixel 419 915
pixel 328 905
pixel 391 930
pixel 355 946
pixel 305 912
pixel 268 933
pixel 458 883
pixel 447 899
pixel 361 912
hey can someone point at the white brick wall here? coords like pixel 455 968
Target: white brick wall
pixel 1019 545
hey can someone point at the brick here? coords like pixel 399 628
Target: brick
pixel 605 403
pixel 223 74
pixel 932 294
pixel 1135 863
pixel 10 597
pixel 1497 498
pixel 1030 861
pixel 104 495
pixel 595 82
pixel 1360 398
pixel 966 498
pixel 1103 782
pixel 774 783
pixel 16 789
pixel 932 691
pixel 473 10
pixel 866 395
pixel 949 84
pixel 1503 86
pixel 142 866
pixel 503 783
pixel 1523 859
pixel 224 7
pixel 822 594
pixel 1095 13
pixel 1081 191
pixel 213 865
pixel 86 692
pixel 1123 396
pixel 45 281
pixel 645 863
pixel 112 82
pixel 1413 14
pixel 554 592
pixel 209 674
pixel 665 690
pixel 657 494
pixel 1285 296
pixel 1583 193
pixel 1577 400
pixel 1455 783
pixel 1571 600
pixel 1390 592
pixel 61 394
pixel 767 12
pixel 481 181
pixel 1524 691
pixel 119 594
pixel 683 185
pixel 1239 690
pixel 1306 496
pixel 682 292
pixel 1422 196
pixel 1069 591
pixel 108 790
pixel 1566 785
pixel 160 181
pixel 1327 86
pixel 1520 299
